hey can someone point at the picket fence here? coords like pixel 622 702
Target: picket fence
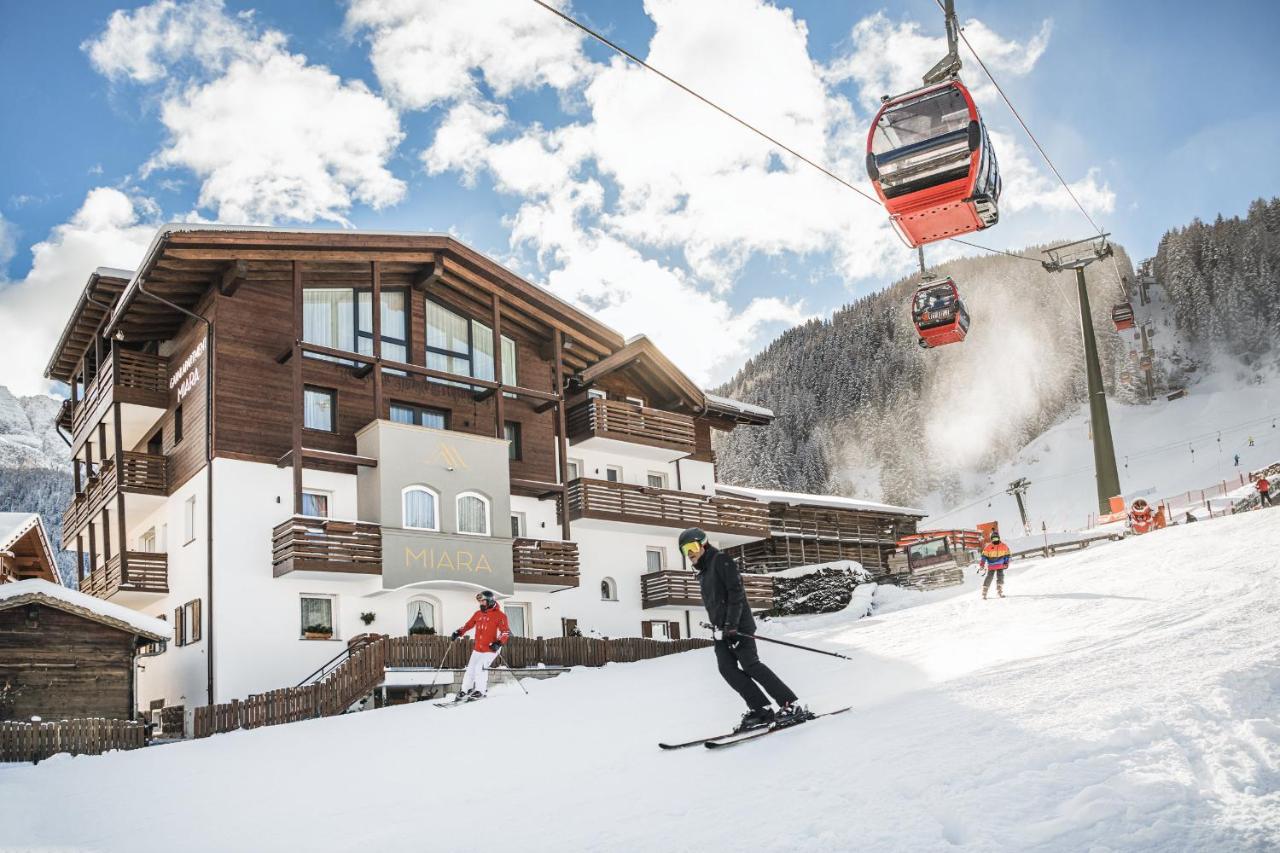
pixel 22 741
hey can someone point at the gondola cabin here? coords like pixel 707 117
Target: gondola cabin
pixel 932 164
pixel 938 314
pixel 1122 316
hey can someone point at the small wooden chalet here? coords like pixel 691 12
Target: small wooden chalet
pixel 67 655
pixel 24 549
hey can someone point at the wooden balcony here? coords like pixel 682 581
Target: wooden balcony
pixel 631 423
pixel 136 473
pixel 609 501
pixel 304 544
pixel 138 572
pixel 680 589
pixel 545 562
pixel 126 377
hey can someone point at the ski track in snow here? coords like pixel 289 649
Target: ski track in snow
pixel 1123 698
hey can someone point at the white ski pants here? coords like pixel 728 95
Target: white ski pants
pixel 477 675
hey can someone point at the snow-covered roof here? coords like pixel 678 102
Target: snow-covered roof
pixel 745 408
pixel 114 272
pixel 73 601
pixel 803 499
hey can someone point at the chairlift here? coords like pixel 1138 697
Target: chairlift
pixel 1122 316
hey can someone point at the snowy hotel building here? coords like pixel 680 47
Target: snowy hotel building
pixel 275 467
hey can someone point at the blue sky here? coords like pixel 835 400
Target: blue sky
pixel 1150 109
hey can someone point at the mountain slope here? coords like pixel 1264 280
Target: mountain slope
pixel 1122 698
pixel 35 464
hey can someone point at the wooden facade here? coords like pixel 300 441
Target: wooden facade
pixel 59 661
pixel 802 535
pixel 25 550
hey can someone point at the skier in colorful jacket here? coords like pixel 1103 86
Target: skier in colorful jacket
pixel 994 560
pixel 725 598
pixel 1264 490
pixel 1142 517
pixel 492 631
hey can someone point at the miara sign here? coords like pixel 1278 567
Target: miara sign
pixel 412 557
pixel 188 372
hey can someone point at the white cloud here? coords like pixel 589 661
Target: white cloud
pixel 7 245
pixel 1027 187
pixel 106 231
pixel 271 136
pixel 427 52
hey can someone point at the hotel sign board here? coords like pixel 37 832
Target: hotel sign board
pixel 410 557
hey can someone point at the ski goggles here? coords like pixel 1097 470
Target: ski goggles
pixel 688 548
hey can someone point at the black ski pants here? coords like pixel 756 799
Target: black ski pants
pixel 1266 498
pixel 740 666
pixel 986 582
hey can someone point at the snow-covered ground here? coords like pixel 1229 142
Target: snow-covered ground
pixel 1125 697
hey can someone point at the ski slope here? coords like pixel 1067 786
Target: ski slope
pixel 1123 698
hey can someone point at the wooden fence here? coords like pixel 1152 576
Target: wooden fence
pixel 364 669
pixel 37 741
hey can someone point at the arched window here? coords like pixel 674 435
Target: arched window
pixel 422 616
pixel 420 507
pixel 473 514
pixel 608 590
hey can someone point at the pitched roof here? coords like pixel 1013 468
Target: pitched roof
pixel 36 591
pixel 24 534
pixel 804 499
pixel 100 293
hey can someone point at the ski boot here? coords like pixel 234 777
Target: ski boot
pixel 1000 592
pixel 792 713
pixel 756 718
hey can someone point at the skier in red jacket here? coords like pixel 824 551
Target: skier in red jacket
pixel 492 631
pixel 1264 490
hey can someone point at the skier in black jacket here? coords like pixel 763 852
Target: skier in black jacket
pixel 726 601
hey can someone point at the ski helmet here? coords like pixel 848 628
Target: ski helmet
pixel 690 536
pixel 995 536
pixel 486 599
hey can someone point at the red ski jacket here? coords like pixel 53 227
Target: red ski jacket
pixel 1264 485
pixel 490 625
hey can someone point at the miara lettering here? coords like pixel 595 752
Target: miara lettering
pixel 447 560
pixel 179 379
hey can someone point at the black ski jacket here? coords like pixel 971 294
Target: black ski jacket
pixel 722 591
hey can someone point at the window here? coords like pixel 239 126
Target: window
pixel 157 648
pixel 517 618
pixel 155 444
pixel 575 469
pixel 608 590
pixel 473 514
pixel 403 413
pixel 657 480
pixel 342 318
pixel 518 525
pixel 147 542
pixel 613 473
pixel 177 425
pixel 317 409
pixel 317 617
pixel 422 616
pixel 511 431
pixel 315 504
pixel 189 521
pixel 655 558
pixel 186 623
pixel 465 347
pixel 596 394
pixel 420 508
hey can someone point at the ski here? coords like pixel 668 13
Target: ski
pixel 734 740
pixel 457 703
pixel 703 740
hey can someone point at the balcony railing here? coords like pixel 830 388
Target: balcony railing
pixel 126 377
pixel 545 562
pixel 610 501
pixel 137 473
pixel 306 544
pixel 680 589
pixel 139 571
pixel 628 422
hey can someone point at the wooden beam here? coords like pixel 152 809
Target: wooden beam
pixel 562 439
pixel 499 430
pixel 427 276
pixel 299 396
pixel 232 277
pixel 327 456
pixel 375 275
pixel 232 253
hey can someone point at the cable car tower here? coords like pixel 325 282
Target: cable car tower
pixel 1076 256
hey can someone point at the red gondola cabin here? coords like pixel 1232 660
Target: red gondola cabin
pixel 932 164
pixel 1122 316
pixel 938 314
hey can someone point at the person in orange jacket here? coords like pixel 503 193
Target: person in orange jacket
pixel 1142 517
pixel 492 630
pixel 1264 490
pixel 995 559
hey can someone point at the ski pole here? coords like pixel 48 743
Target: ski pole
pixel 509 669
pixel 783 643
pixel 431 690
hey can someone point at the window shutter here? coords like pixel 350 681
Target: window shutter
pixel 195 621
pixel 178 633
pixel 674 629
pixel 646 629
